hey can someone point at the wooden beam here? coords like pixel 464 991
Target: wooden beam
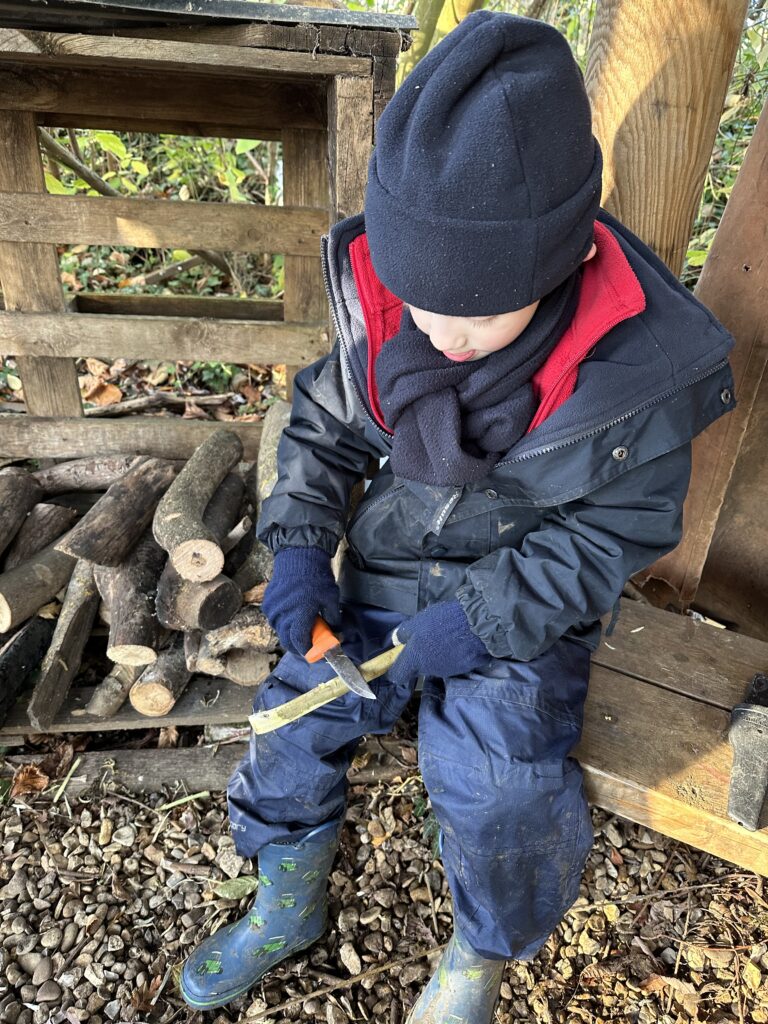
pixel 153 55
pixel 657 76
pixel 201 306
pixel 156 337
pixel 254 107
pixel 734 285
pixel 160 224
pixel 30 273
pixel 350 142
pixel 169 437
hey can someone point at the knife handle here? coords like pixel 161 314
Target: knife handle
pixel 323 640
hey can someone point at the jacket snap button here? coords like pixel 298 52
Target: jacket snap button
pixel 725 396
pixel 620 453
pixel 490 493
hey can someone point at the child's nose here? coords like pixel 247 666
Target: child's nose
pixel 445 335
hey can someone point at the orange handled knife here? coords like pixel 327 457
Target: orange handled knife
pixel 325 644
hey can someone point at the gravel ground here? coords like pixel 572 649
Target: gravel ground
pixel 105 893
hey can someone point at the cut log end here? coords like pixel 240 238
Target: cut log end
pixel 131 654
pixel 152 699
pixel 6 616
pixel 198 560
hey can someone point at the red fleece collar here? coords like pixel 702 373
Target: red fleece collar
pixel 610 292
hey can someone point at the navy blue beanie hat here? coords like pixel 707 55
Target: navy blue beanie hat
pixel 484 183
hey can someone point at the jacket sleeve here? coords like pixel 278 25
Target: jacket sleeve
pixel 571 570
pixel 322 453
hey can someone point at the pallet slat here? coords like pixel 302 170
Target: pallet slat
pixel 160 224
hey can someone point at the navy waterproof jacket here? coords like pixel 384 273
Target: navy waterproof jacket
pixel 542 547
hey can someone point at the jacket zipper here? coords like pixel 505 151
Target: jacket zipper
pixel 342 341
pixel 363 510
pixel 619 419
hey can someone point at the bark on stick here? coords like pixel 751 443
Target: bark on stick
pixel 44 524
pixel 178 524
pixel 161 684
pixel 62 661
pixel 96 474
pixel 112 692
pixel 129 592
pixel 30 585
pixel 111 529
pixel 18 494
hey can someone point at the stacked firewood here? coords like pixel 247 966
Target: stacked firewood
pixel 162 552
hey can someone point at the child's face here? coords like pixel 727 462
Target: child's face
pixel 465 339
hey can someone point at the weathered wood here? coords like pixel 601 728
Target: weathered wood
pixel 199 306
pixel 178 524
pixel 112 692
pixel 733 284
pixel 170 438
pixel 247 668
pixel 44 524
pixel 30 272
pixel 248 629
pixel 62 661
pixel 350 142
pixel 155 337
pixel 112 528
pixel 93 474
pixel 19 658
pixel 192 640
pixel 206 662
pixel 257 566
pixel 129 592
pixel 262 476
pixel 124 101
pixel 27 587
pixel 659 73
pixel 161 684
pixel 150 55
pixel 19 492
pixel 102 220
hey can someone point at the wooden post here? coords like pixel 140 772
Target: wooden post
pixel 29 272
pixel 350 142
pixel 734 284
pixel 657 76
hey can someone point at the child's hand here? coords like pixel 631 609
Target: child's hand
pixel 302 587
pixel 438 642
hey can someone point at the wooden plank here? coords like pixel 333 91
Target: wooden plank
pixel 734 285
pixel 350 142
pixel 156 55
pixel 678 653
pixel 30 273
pixel 170 437
pixel 305 183
pixel 160 224
pixel 113 303
pixel 255 107
pixel 167 337
pixel 657 76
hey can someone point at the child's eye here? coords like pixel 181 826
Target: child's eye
pixel 483 323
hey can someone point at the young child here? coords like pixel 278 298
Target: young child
pixel 534 374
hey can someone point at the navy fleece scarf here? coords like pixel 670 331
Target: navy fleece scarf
pixel 453 422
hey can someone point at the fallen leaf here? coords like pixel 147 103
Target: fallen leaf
pixel 194 412
pixel 97 367
pixel 169 737
pixel 235 888
pixel 28 779
pixel 104 394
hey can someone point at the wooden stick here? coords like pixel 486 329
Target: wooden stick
pixel 28 586
pixel 19 657
pixel 178 524
pixel 153 400
pixel 161 684
pixel 129 592
pixel 112 692
pixel 191 647
pixel 107 533
pixel 19 492
pixel 62 661
pixel 95 474
pixel 44 524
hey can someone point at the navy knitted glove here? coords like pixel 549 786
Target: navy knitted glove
pixel 302 587
pixel 438 642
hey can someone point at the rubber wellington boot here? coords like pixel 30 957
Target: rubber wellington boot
pixel 463 990
pixel 289 913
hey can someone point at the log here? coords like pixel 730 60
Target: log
pixel 44 524
pixel 191 647
pixel 257 566
pixel 95 474
pixel 262 476
pixel 30 585
pixel 248 629
pixel 112 528
pixel 160 684
pixel 184 604
pixel 18 494
pixel 247 668
pixel 62 661
pixel 178 524
pixel 129 592
pixel 112 692
pixel 20 657
pixel 208 663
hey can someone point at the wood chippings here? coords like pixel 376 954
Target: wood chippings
pixel 103 895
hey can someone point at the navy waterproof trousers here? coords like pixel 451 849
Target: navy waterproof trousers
pixel 494 755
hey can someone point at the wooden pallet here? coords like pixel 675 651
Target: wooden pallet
pixel 654 746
